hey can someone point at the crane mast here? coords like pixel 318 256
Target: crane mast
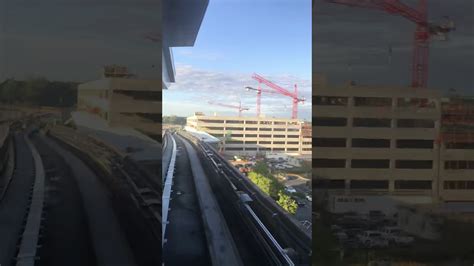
pixel 278 90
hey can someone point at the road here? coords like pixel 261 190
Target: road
pixel 299 184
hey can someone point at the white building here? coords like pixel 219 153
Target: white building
pixel 376 141
pixel 252 135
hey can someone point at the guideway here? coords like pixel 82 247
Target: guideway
pixel 15 201
pixel 108 240
pixel 221 246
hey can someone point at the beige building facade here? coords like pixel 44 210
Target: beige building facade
pixel 386 141
pixel 252 135
pixel 125 102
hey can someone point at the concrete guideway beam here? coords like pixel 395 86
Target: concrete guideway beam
pixel 221 245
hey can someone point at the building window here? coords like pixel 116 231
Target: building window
pixel 462 184
pixel 234 149
pixel 141 95
pixel 251 122
pixel 370 163
pixel 293 130
pixel 215 128
pixel 234 142
pixel 235 135
pixel 234 128
pixel 251 128
pixel 320 183
pixel 234 122
pixel 330 121
pixel 265 122
pixel 250 142
pixel 413 184
pixel 279 136
pixel 416 102
pixel 265 129
pixel 293 136
pixel 415 123
pixel 292 149
pixel 337 184
pixel 371 143
pixel 278 149
pixel 264 142
pixel 330 100
pixel 369 184
pixel 279 123
pixel 415 143
pixel 329 163
pixel 457 145
pixel 453 165
pixel 250 135
pixel 329 142
pixel 307 149
pixel 372 101
pixel 278 142
pixel 371 122
pixel 414 164
pixel 279 129
pixel 265 136
pixel 212 121
pixel 293 143
pixel 250 149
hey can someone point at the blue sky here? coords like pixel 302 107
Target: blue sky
pixel 236 39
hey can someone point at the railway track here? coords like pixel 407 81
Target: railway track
pixel 184 216
pixel 135 194
pixel 66 236
pixel 16 200
pixel 60 209
pixel 249 246
pixel 280 237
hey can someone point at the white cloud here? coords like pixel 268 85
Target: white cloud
pixel 203 86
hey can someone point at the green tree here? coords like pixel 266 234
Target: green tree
pixel 262 182
pixel 174 120
pixel 286 202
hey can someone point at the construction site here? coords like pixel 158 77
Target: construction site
pixel 394 156
pixel 258 134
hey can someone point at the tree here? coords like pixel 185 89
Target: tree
pixel 287 203
pixel 262 182
pixel 174 120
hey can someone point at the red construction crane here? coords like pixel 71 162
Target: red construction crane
pixel 423 33
pixel 239 107
pixel 278 90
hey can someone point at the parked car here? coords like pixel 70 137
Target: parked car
pixel 300 203
pixel 395 235
pixel 372 239
pixel 290 189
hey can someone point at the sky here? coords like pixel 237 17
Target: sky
pixel 70 40
pixel 238 38
pixel 353 44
